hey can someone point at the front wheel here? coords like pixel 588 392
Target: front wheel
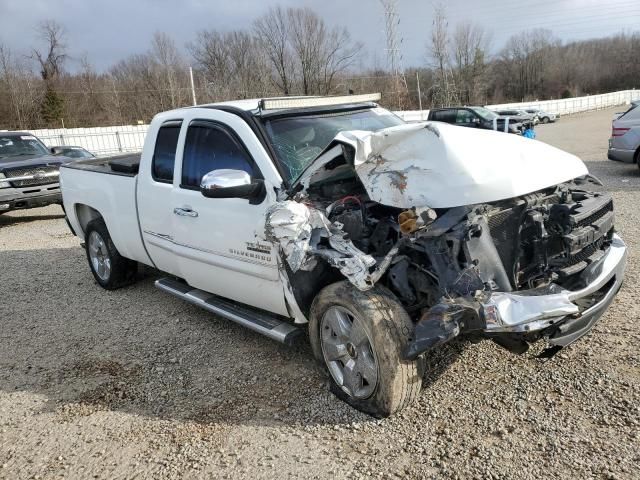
pixel 110 269
pixel 359 337
pixel 545 119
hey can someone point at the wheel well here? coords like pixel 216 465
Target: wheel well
pixel 636 156
pixel 84 214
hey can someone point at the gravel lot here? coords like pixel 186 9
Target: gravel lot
pixel 136 384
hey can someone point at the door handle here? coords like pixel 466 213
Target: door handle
pixel 185 212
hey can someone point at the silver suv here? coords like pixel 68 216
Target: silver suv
pixel 624 144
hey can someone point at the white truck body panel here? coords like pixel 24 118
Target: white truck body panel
pixel 218 251
pixel 114 197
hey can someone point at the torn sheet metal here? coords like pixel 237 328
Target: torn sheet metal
pixel 291 225
pixel 510 312
pixel 299 230
pixel 442 166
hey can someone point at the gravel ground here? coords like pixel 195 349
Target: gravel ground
pixel 136 384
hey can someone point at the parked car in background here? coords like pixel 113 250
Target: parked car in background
pixel 28 172
pixel 624 144
pixel 519 115
pixel 333 220
pixel 72 152
pixel 542 116
pixel 475 117
pixel 633 104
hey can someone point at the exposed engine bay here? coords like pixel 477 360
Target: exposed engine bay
pixel 501 269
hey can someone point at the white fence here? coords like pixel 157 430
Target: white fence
pixel 568 106
pixel 563 106
pixel 100 141
pixel 130 138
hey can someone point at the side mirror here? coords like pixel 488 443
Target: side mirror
pixel 55 150
pixel 228 183
pixel 475 120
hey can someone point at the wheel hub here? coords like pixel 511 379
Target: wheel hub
pixel 99 256
pixel 348 352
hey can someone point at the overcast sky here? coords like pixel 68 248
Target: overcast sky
pixel 109 30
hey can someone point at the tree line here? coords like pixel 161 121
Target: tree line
pixel 292 51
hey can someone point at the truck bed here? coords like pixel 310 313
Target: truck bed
pixel 126 165
pixel 85 190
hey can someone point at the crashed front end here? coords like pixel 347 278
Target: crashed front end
pixel 522 261
pixel 546 265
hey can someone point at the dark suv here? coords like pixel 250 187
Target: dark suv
pixel 28 172
pixel 476 117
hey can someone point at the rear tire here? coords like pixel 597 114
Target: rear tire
pixel 110 269
pixel 545 119
pixel 359 337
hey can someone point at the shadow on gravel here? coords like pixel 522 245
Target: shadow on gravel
pixel 141 351
pixel 6 219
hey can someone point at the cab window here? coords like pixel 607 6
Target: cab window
pixel 464 116
pixel 448 116
pixel 210 147
pixel 164 153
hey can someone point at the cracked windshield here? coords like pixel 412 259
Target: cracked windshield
pixel 298 140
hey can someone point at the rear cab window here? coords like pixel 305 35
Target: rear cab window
pixel 164 153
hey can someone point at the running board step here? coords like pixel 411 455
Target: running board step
pixel 253 319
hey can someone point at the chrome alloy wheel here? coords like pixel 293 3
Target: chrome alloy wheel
pixel 99 255
pixel 347 351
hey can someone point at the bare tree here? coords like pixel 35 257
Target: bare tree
pixel 169 68
pixel 524 60
pixel 19 85
pixel 234 64
pixel 470 45
pixel 444 91
pixel 272 31
pixel 320 53
pixel 53 56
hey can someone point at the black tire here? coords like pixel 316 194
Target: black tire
pixel 545 120
pixel 122 271
pixel 388 328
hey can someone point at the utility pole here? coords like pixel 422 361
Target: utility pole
pixel 419 95
pixel 193 88
pixel 392 19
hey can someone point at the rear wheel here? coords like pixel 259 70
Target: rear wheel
pixel 545 119
pixel 110 269
pixel 359 337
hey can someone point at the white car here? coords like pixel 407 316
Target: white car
pixel 542 116
pixel 624 144
pixel 381 239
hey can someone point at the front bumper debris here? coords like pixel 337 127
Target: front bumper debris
pixel 561 316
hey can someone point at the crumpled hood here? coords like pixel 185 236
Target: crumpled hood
pixel 442 166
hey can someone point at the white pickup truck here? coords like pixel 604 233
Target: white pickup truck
pixel 381 239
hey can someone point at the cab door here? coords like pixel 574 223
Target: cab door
pixel 154 197
pixel 218 240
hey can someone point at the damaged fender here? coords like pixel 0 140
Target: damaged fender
pixel 299 228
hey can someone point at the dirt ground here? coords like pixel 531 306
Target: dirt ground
pixel 137 384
